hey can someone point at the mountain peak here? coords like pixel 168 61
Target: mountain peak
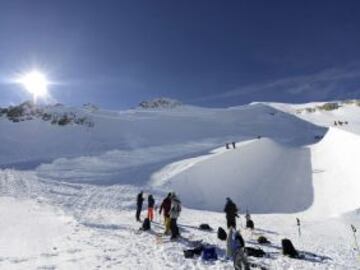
pixel 159 103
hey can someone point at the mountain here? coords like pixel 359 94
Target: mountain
pixel 81 179
pixel 159 103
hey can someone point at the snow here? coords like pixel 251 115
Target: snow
pixel 67 194
pixel 285 170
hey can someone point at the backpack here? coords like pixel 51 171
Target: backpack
pixel 263 240
pixel 209 254
pixel 288 248
pixel 205 227
pixel 146 225
pixel 250 224
pixel 254 252
pixel 190 253
pixel 221 234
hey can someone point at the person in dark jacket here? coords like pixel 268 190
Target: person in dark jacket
pixel 166 206
pixel 139 203
pixel 174 215
pixel 231 213
pixel 151 204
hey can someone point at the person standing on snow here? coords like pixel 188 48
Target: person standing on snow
pixel 139 203
pixel 166 206
pixel 231 213
pixel 174 215
pixel 151 203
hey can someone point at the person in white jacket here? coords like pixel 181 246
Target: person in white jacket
pixel 174 215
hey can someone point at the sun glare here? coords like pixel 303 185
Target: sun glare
pixel 36 83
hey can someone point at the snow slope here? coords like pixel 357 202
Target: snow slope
pixel 346 112
pixel 336 174
pixel 74 186
pixel 236 173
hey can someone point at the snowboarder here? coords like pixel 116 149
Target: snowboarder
pixel 166 205
pixel 174 215
pixel 233 144
pixel 139 203
pixel 231 213
pixel 151 203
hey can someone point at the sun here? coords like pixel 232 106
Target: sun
pixel 36 83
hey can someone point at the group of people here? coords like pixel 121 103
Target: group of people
pixel 227 145
pixel 139 204
pixel 170 207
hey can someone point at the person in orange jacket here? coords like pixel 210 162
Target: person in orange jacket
pixel 151 204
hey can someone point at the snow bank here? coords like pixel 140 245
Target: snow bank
pixel 262 176
pixel 336 174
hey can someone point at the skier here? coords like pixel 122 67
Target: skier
pixel 139 203
pixel 227 146
pixel 151 203
pixel 231 213
pixel 174 215
pixel 166 205
pixel 233 145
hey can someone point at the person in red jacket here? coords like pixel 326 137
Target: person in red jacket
pixel 166 206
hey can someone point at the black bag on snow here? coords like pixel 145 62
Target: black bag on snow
pixel 190 253
pixel 288 248
pixel 221 234
pixel 198 250
pixel 263 240
pixel 146 225
pixel 250 224
pixel 205 227
pixel 254 252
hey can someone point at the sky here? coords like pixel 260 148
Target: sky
pixel 116 53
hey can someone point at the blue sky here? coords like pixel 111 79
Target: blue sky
pixel 208 53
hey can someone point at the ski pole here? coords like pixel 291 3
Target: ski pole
pixel 298 225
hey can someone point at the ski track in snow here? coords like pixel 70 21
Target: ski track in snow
pixel 104 235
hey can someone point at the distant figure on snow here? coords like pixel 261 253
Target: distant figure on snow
pixel 233 144
pixel 174 215
pixel 231 213
pixel 151 204
pixel 249 222
pixel 139 203
pixel 166 206
pixel 227 146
